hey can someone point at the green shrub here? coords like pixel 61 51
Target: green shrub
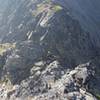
pixel 98 96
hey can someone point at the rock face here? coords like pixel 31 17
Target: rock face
pixel 54 83
pixel 49 42
pixel 36 21
pixel 67 41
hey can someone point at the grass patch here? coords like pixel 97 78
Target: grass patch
pixel 57 8
pixel 48 6
pixel 6 46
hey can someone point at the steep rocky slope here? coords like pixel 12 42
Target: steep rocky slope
pixel 38 24
pixel 41 45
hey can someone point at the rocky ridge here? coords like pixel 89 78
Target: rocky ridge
pixel 53 83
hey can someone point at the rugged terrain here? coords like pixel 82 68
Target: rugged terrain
pixel 46 52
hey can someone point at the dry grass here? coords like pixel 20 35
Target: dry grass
pixel 6 46
pixel 46 6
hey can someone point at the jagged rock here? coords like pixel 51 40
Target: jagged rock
pixel 47 86
pixel 67 88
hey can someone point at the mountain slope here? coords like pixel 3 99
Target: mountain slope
pixel 42 42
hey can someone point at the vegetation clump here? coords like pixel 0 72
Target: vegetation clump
pixel 6 46
pixel 48 6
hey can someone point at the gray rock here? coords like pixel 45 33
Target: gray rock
pixel 46 86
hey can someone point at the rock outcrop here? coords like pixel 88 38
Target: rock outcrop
pixel 53 83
